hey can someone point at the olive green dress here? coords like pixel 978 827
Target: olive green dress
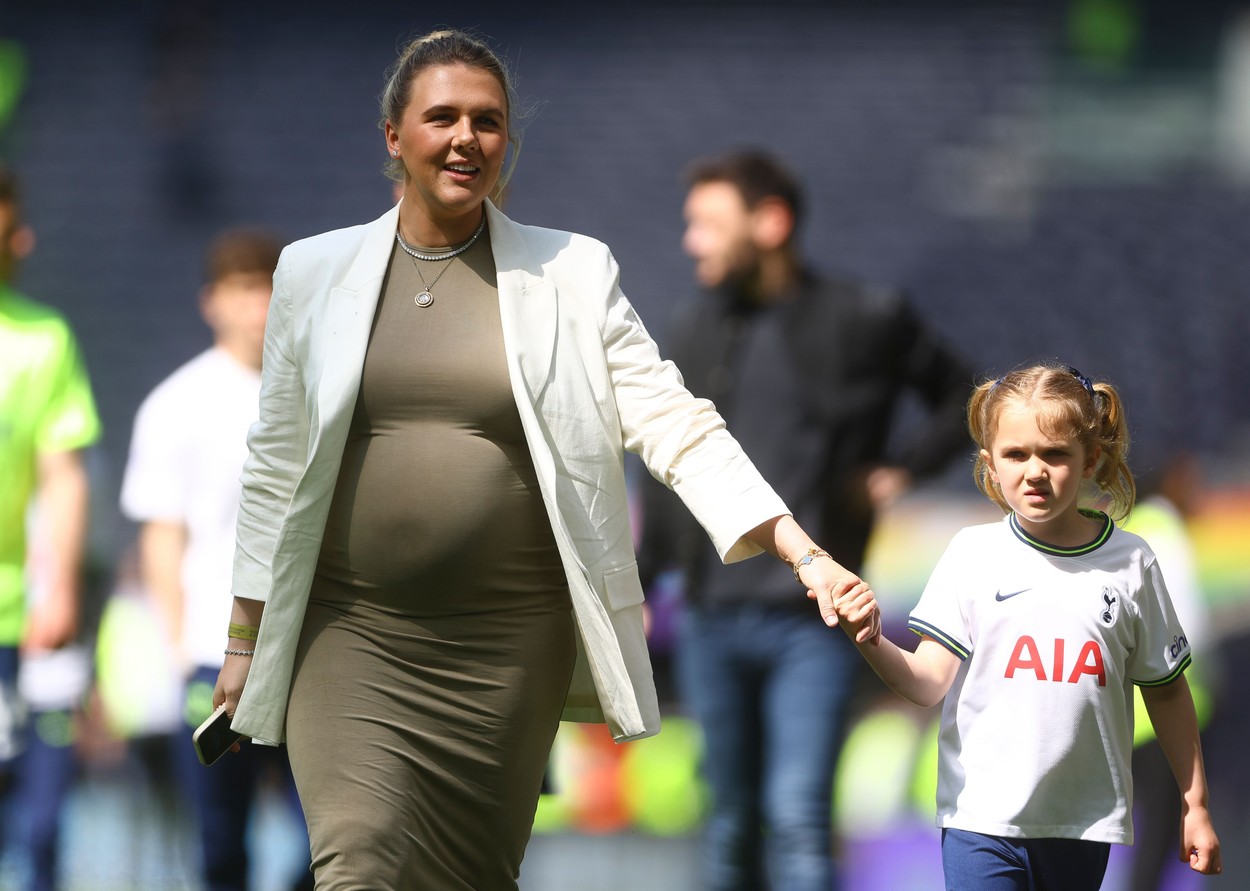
pixel 439 639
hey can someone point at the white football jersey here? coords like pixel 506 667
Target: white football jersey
pixel 1037 729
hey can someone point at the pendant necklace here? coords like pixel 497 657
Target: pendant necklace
pixel 425 298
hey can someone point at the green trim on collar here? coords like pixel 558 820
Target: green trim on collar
pixel 1099 540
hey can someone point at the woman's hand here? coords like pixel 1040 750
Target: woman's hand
pixel 230 682
pixel 826 579
pixel 229 687
pixel 245 616
pixel 843 598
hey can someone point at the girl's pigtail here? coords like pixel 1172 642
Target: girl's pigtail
pixel 979 427
pixel 1113 475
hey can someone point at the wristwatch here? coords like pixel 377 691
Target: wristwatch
pixel 812 554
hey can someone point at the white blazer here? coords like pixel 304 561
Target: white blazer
pixel 588 382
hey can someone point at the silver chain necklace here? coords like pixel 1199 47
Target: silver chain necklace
pixel 425 298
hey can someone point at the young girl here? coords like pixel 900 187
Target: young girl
pixel 1034 629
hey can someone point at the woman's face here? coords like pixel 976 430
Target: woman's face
pixel 452 139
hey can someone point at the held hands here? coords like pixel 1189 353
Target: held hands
pixel 844 599
pixel 859 614
pixel 1199 845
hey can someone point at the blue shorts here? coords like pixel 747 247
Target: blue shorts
pixel 975 862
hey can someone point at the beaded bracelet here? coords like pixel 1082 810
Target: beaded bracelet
pixel 233 652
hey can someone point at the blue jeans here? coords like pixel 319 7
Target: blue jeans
pixel 222 795
pixel 771 688
pixel 46 771
pixel 35 783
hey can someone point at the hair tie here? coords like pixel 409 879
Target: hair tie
pixel 1085 382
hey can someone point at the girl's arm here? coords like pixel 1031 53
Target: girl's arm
pixel 1171 710
pixel 922 677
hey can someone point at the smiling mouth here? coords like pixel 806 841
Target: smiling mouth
pixel 461 169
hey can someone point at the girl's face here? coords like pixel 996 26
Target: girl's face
pixel 1040 476
pixel 452 139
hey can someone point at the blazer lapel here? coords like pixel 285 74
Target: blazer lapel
pixel 349 317
pixel 527 305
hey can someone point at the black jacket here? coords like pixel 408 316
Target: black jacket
pixel 839 358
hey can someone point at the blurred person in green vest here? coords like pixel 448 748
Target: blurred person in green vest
pixel 47 419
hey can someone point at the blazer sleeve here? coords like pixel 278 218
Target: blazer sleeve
pixel 277 445
pixel 682 439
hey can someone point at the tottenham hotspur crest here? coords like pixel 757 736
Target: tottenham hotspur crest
pixel 1111 606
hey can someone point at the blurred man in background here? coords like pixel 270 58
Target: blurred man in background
pixel 809 373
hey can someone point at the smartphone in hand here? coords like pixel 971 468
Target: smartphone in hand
pixel 214 738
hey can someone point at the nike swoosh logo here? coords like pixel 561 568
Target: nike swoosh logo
pixel 1000 596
